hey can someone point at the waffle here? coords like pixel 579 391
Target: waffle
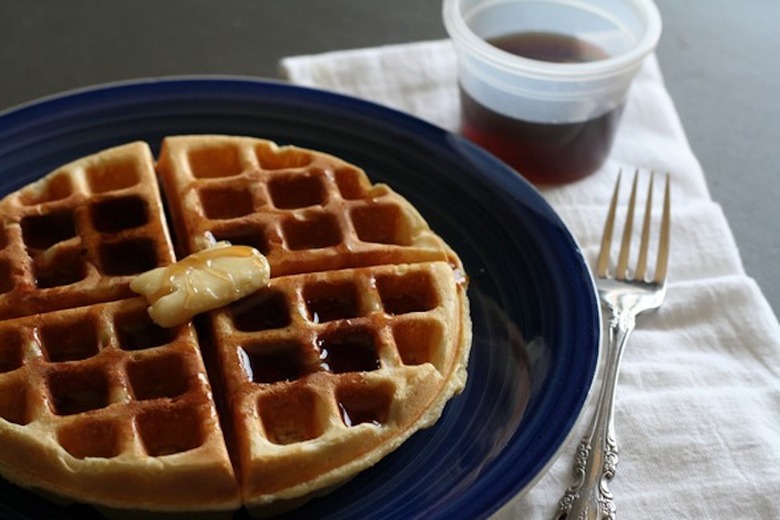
pixel 99 404
pixel 79 235
pixel 326 373
pixel 306 211
pixel 358 340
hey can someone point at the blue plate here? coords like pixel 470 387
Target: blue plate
pixel 536 316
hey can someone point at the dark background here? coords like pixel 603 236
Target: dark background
pixel 719 59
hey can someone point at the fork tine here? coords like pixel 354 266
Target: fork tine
pixel 625 247
pixel 602 265
pixel 641 265
pixel 664 238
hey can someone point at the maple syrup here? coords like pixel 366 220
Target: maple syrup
pixel 544 153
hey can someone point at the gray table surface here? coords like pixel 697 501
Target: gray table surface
pixel 719 59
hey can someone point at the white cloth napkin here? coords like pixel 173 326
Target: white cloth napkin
pixel 698 407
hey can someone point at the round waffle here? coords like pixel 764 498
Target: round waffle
pixel 359 339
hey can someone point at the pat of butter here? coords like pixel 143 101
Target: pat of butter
pixel 202 282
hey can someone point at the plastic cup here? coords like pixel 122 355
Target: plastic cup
pixel 543 82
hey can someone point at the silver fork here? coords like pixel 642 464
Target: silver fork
pixel 625 296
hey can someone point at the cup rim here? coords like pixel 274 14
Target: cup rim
pixel 461 34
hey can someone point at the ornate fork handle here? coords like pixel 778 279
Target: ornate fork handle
pixel 589 498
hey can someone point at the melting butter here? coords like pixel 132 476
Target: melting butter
pixel 201 282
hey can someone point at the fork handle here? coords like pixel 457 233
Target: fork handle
pixel 595 461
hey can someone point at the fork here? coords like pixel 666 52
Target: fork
pixel 625 296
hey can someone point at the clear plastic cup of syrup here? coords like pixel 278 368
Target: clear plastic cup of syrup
pixel 543 82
